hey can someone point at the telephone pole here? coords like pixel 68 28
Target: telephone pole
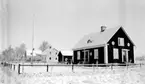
pixel 32 39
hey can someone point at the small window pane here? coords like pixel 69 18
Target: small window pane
pixel 115 53
pixel 96 54
pixel 78 55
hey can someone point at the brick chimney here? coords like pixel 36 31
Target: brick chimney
pixel 103 28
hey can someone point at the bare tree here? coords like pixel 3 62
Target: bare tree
pixel 44 46
pixel 140 58
pixel 8 54
pixel 20 52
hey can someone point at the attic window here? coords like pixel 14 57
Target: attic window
pixel 121 41
pixel 113 43
pixel 128 44
pixel 89 41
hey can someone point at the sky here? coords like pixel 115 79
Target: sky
pixel 64 22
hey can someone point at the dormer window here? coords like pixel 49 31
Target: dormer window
pixel 120 41
pixel 89 41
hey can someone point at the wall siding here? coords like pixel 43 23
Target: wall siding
pixel 91 57
pixel 120 33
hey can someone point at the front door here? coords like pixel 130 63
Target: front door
pixel 124 55
pixel 86 57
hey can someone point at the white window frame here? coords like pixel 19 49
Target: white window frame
pixel 120 41
pixel 115 53
pixel 126 51
pixel 96 53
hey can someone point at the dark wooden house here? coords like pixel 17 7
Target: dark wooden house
pixel 107 46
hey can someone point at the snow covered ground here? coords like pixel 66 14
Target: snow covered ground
pixel 81 75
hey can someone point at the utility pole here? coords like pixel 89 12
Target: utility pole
pixel 32 39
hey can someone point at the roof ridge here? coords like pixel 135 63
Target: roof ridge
pixel 105 30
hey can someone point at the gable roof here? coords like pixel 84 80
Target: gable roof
pixel 52 51
pixel 96 39
pixel 67 52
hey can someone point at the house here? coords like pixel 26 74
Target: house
pixel 51 55
pixel 65 56
pixel 112 45
pixel 36 55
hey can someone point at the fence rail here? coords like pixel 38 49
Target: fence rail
pixel 72 66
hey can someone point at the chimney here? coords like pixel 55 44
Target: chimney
pixel 103 28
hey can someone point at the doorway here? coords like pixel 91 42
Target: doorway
pixel 86 56
pixel 124 55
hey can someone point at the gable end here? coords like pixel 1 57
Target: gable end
pixel 126 35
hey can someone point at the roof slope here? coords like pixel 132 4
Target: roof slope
pixel 98 38
pixel 67 52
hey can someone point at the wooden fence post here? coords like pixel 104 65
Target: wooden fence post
pixel 93 67
pixel 97 65
pixel 127 65
pixel 10 66
pixel 72 68
pixel 14 67
pixel 19 69
pixel 112 66
pixel 47 68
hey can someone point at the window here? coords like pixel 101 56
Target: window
pixel 90 53
pixel 78 55
pixel 113 43
pixel 115 53
pixel 128 44
pixel 120 41
pixel 96 54
pixel 89 41
pixel 49 58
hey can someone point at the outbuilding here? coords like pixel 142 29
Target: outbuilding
pixel 65 56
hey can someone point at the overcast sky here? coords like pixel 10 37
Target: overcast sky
pixel 64 22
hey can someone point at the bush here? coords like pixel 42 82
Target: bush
pixel 141 58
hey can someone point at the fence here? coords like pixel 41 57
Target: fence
pixel 69 67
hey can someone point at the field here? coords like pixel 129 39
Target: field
pixel 80 75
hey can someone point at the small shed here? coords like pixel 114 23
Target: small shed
pixel 65 56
